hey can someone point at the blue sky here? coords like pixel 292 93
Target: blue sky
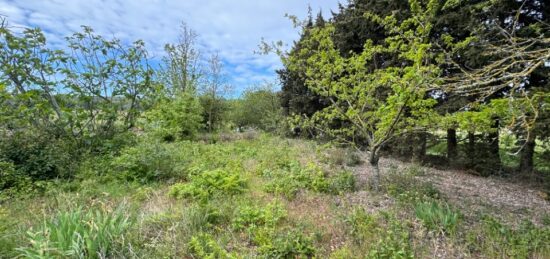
pixel 234 28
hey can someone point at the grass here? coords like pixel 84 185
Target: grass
pixel 254 197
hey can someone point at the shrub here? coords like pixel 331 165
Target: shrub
pixel 40 156
pixel 179 118
pixel 203 245
pixel 204 185
pixel 13 182
pixel 394 241
pixel 437 216
pixel 288 181
pixel 79 234
pixel 148 161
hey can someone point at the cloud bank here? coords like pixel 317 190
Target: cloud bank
pixel 233 28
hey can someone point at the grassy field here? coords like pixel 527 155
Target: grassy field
pixel 252 195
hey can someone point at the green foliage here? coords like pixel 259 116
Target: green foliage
pixel 290 244
pixel 252 217
pixel 438 216
pixel 257 108
pixel 147 161
pixel 177 118
pixel 494 239
pixel 80 234
pixel 393 242
pixel 204 185
pixel 291 178
pixel 39 157
pixel 384 235
pixel 205 246
pixel 361 225
pixel 407 188
pixel 342 182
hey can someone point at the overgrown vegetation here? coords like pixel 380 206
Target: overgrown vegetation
pixel 104 155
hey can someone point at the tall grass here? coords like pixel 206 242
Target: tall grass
pixel 437 216
pixel 77 234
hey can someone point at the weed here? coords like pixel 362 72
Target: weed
pixel 207 184
pixel 361 225
pixel 342 182
pixel 497 240
pixel 203 245
pixel 269 216
pixel 92 234
pixel 288 181
pixel 291 244
pixel 438 216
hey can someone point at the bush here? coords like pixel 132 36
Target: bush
pixel 437 216
pixel 178 118
pixel 148 161
pixel 78 234
pixel 292 178
pixel 40 156
pixel 209 183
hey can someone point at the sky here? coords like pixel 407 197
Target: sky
pixel 233 28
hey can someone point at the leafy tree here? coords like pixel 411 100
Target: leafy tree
pixel 375 102
pixel 296 97
pixel 177 118
pixel 259 108
pixel 213 90
pixel 181 70
pixel 110 83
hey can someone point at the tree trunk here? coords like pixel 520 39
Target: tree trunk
pixel 471 148
pixel 526 164
pixel 494 149
pixel 373 161
pixel 419 152
pixel 451 145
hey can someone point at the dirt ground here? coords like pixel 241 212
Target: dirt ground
pixel 512 202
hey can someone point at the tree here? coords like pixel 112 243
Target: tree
pixel 381 103
pixel 296 97
pixel 258 107
pixel 181 65
pixel 110 83
pixel 213 90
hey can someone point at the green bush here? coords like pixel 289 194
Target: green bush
pixel 203 245
pixel 209 183
pixel 40 156
pixel 438 216
pixel 292 178
pixel 148 161
pixel 78 234
pixel 394 241
pixel 172 119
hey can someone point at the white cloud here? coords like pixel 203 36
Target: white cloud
pixel 234 28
